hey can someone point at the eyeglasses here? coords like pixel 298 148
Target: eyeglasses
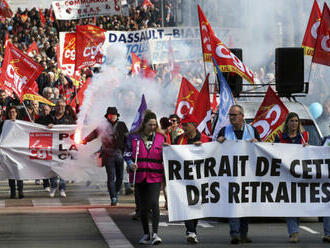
pixel 173 121
pixel 233 115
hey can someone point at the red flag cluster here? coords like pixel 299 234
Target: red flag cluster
pixel 316 41
pixel 322 46
pixel 19 71
pixel 190 101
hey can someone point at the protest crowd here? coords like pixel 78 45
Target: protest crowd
pixel 141 150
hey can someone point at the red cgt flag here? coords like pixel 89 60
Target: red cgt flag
pixel 33 49
pixel 5 10
pixel 202 110
pixel 226 60
pixel 205 30
pixel 322 47
pixel 311 31
pixel 69 49
pixel 141 65
pixel 89 42
pixel 136 64
pixel 42 18
pixel 19 71
pixel 186 98
pixel 270 116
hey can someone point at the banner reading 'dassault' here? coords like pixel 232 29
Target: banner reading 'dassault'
pixel 237 179
pixel 30 151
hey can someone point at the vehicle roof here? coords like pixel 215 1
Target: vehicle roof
pixel 251 108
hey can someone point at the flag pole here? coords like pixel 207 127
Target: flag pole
pixel 310 70
pixel 136 157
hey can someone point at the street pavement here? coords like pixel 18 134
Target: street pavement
pixel 85 219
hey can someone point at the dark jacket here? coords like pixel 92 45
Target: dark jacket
pixel 113 137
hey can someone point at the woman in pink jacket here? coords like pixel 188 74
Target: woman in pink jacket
pixel 143 155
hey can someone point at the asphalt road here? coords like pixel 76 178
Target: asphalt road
pixel 85 219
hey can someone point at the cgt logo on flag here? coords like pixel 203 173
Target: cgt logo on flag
pixel 91 52
pixel 12 73
pixel 40 146
pixel 69 50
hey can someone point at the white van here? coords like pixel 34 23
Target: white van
pixel 308 122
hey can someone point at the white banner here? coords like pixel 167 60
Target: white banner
pixel 77 9
pixel 154 43
pixel 33 151
pixel 241 179
pixel 151 43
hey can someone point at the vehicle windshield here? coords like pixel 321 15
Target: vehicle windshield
pixel 314 137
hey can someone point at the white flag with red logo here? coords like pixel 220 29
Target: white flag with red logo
pixel 322 47
pixel 212 46
pixel 89 42
pixel 19 71
pixel 270 116
pixel 311 31
pixel 202 110
pixel 186 98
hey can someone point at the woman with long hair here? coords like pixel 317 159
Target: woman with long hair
pixel 293 134
pixel 144 158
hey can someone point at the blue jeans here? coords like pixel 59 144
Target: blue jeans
pixel 293 224
pixel 238 226
pixel 114 166
pixel 326 225
pixel 53 183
